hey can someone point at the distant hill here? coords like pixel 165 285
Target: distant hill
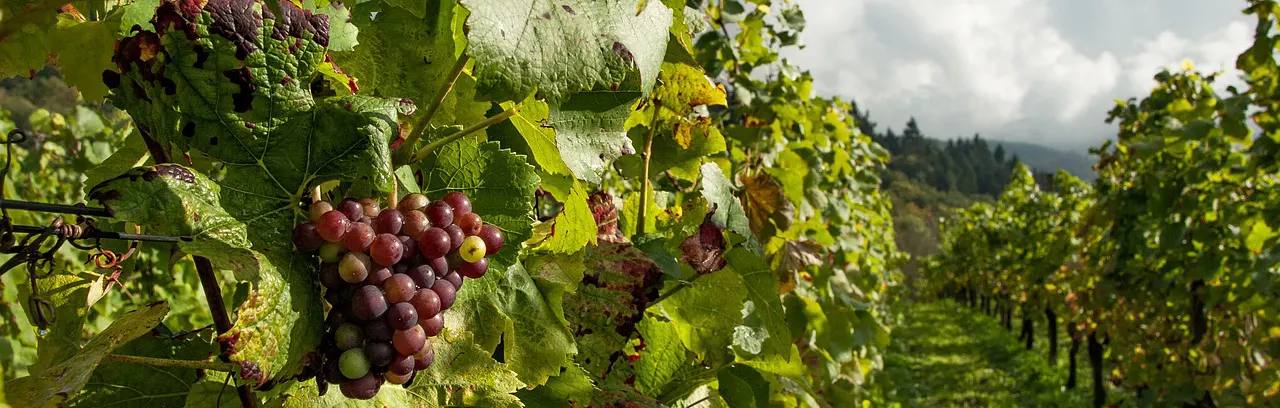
pixel 1048 159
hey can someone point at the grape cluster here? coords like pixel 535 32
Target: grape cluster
pixel 389 274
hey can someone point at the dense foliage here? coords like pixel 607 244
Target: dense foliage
pixel 1167 265
pixel 684 220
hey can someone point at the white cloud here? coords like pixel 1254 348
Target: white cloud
pixel 1031 70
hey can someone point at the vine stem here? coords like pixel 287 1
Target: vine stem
pixel 433 146
pixel 645 184
pixel 208 280
pixel 165 362
pixel 315 194
pixel 420 124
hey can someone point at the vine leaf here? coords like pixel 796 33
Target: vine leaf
pixel 572 386
pixel 562 48
pixel 49 386
pixel 506 305
pixel 120 383
pixel 764 329
pixel 704 311
pixel 619 279
pixel 662 357
pixel 590 131
pixel 683 87
pixel 81 49
pixel 766 205
pixel 729 214
pixel 573 228
pixel 232 79
pixel 742 386
pixel 277 314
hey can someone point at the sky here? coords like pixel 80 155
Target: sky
pixel 1042 71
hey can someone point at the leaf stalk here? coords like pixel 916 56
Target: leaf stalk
pixel 420 124
pixel 646 185
pixel 165 362
pixel 433 146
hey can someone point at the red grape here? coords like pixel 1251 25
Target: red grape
pixel 474 270
pixel 439 213
pixel 399 288
pixel 332 226
pixel 434 243
pixel 329 276
pixel 389 221
pixel 422 275
pixel 423 359
pixel 392 378
pixel 379 353
pixel 454 278
pixel 432 325
pixel 352 209
pixel 440 266
pixel 469 222
pixel 458 202
pixel 359 237
pixel 306 238
pixel 409 341
pixel 318 208
pixel 492 237
pixel 371 207
pixel 455 236
pixel 401 365
pixel 401 316
pixel 415 223
pixel 446 291
pixel 408 246
pixel 413 201
pixel 426 302
pixel 386 249
pixel 368 303
pixel 377 276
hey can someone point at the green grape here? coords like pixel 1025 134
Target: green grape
pixel 354 267
pixel 353 363
pixel 472 249
pixel 348 336
pixel 332 251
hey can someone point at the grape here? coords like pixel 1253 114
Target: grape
pixel 469 222
pixel 455 236
pixel 379 353
pixel 351 208
pixel 426 302
pixel 454 278
pixel 399 288
pixel 368 303
pixel 492 237
pixel 362 388
pixel 425 357
pixel 334 298
pixel 446 292
pixel 348 336
pixel 408 247
pixel 332 251
pixel 364 219
pixel 353 363
pixel 409 341
pixel 473 249
pixel 332 226
pixel 458 202
pixel 330 277
pixel 386 249
pixel 389 221
pixel 413 201
pixel 432 325
pixel 401 365
pixel 354 267
pixel 397 379
pixel 378 276
pixel 422 275
pixel 306 238
pixel 318 209
pixel 474 270
pixel 378 331
pixel 439 213
pixel 335 318
pixel 440 266
pixel 415 223
pixel 359 237
pixel 371 207
pixel 401 316
pixel 434 243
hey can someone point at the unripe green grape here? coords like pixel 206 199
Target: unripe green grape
pixel 332 251
pixel 354 267
pixel 348 336
pixel 353 363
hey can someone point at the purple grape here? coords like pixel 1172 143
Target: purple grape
pixel 379 353
pixel 426 302
pixel 362 388
pixel 399 288
pixel 459 202
pixel 371 207
pixel 389 221
pixel 409 341
pixel 447 293
pixel 358 238
pixel 415 223
pixel 401 365
pixel 440 266
pixel 492 237
pixel 434 243
pixel 455 236
pixel 401 316
pixel 351 208
pixel 425 357
pixel 439 213
pixel 432 325
pixel 329 276
pixel 368 303
pixel 332 226
pixel 378 331
pixel 409 247
pixel 469 222
pixel 378 276
pixel 454 278
pixel 306 238
pixel 474 270
pixel 422 275
pixel 386 250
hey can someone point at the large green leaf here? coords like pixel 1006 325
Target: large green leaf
pixel 705 312
pixel 729 213
pixel 51 386
pixel 119 384
pixel 662 357
pixel 590 133
pixel 561 48
pixel 764 329
pixel 82 49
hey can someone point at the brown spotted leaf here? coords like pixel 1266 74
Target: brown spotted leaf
pixel 618 283
pixel 704 251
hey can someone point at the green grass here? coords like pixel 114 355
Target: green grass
pixel 947 355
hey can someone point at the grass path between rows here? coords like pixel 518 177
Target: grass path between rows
pixel 946 355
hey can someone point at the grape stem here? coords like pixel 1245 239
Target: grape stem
pixel 646 186
pixel 315 194
pixel 422 122
pixel 433 146
pixel 165 362
pixel 394 197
